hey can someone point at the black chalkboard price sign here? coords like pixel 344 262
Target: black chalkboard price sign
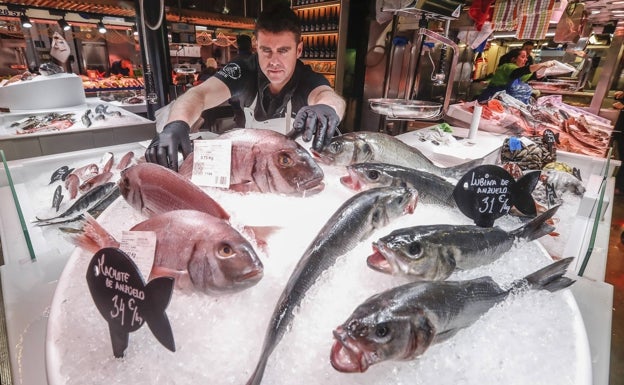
pixel 125 301
pixel 488 192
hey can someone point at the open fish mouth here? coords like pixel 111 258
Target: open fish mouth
pixel 346 356
pixel 350 182
pixel 378 261
pixel 310 187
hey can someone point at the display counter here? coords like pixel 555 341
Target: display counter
pixel 29 279
pixel 32 133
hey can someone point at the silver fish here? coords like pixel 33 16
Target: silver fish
pixel 431 188
pixel 82 205
pixel 366 146
pixel 50 68
pixel 563 181
pixel 403 322
pixel 433 252
pixel 268 162
pixel 353 222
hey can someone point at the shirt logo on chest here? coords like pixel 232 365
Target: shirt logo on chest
pixel 231 70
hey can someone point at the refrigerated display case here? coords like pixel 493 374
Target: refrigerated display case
pixel 29 283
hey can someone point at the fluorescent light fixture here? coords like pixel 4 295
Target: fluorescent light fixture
pixel 101 27
pixel 25 20
pixel 64 25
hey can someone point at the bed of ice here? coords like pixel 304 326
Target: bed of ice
pixel 533 338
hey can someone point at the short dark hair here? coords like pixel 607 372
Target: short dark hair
pixel 528 42
pixel 279 18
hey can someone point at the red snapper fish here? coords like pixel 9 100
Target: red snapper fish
pixel 204 253
pixel 268 162
pixel 154 189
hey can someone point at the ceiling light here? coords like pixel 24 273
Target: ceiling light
pixel 101 27
pixel 225 10
pixel 64 25
pixel 25 20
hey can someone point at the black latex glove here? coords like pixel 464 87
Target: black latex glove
pixel 319 121
pixel 164 147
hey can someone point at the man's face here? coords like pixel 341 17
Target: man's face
pixel 277 55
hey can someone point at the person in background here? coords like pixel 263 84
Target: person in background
pixel 244 46
pixel 528 47
pixel 122 67
pixel 211 69
pixel 512 76
pixel 276 90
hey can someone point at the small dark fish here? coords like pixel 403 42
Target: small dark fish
pixel 64 176
pixel 86 120
pixel 101 108
pixel 82 205
pixel 100 117
pixel 58 198
pixel 434 252
pixel 59 174
pixel 50 68
pixel 403 322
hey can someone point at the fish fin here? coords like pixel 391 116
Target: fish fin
pixel 549 278
pixel 93 237
pixel 158 293
pixel 244 187
pixel 260 233
pixel 521 193
pixel 537 227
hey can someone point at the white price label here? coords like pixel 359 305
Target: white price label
pixel 141 247
pixel 212 162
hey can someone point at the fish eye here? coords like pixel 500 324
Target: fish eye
pixel 372 175
pixel 335 147
pixel 284 160
pixel 400 200
pixel 414 248
pixel 382 330
pixel 225 250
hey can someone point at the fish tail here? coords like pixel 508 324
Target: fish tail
pixel 256 377
pixel 93 237
pixel 158 293
pixel 549 278
pixel 521 193
pixel 537 227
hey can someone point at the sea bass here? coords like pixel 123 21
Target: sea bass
pixel 204 253
pixel 431 188
pixel 367 146
pixel 268 162
pixel 154 189
pixel 403 322
pixel 353 222
pixel 433 252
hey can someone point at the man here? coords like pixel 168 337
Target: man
pixel 271 87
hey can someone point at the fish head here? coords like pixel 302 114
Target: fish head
pixel 418 252
pixel 375 333
pixel 129 189
pixel 344 150
pixel 367 175
pixel 224 263
pixel 390 203
pixel 292 171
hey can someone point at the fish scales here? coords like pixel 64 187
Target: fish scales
pixel 433 252
pixel 403 322
pixel 354 220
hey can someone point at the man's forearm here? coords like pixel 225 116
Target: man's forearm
pixel 326 95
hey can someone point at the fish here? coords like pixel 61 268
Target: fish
pixel 72 182
pixel 434 252
pixel 125 160
pixel 87 171
pixel 352 223
pixel 204 254
pixel 107 161
pixel 268 162
pixel 95 181
pixel 563 181
pixel 59 173
pixel 86 120
pixel 403 322
pixel 431 188
pixel 154 189
pixel 82 205
pixel 378 147
pixel 57 198
pixel 50 68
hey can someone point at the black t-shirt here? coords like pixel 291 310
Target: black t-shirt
pixel 245 80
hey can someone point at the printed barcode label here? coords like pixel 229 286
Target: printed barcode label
pixel 212 163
